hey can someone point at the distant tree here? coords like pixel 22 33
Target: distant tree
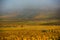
pixel 22 25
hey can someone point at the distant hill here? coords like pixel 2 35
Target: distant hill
pixel 30 14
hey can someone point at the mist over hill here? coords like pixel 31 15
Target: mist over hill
pixel 30 14
pixel 29 10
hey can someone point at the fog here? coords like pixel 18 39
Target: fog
pixel 26 8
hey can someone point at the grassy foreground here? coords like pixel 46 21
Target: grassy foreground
pixel 30 32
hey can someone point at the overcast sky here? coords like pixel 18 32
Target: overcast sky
pixel 9 5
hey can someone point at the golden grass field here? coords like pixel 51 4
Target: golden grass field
pixel 30 32
pixel 32 27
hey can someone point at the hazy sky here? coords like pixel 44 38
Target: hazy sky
pixel 9 5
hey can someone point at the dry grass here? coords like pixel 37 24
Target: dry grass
pixel 30 32
pixel 31 27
